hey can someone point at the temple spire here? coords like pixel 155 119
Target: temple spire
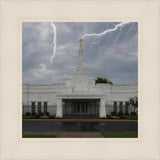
pixel 80 68
pixel 80 42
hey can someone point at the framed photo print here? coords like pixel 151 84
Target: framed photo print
pixel 80 79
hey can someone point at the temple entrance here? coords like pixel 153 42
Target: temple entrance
pixel 80 108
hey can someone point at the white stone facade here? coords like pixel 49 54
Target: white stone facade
pixel 82 91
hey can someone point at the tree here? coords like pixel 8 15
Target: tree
pixel 134 102
pixel 103 80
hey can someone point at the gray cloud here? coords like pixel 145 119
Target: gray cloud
pixel 113 56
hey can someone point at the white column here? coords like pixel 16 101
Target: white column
pixel 80 57
pixel 59 112
pixel 80 68
pixel 102 110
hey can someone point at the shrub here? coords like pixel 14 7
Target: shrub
pixel 126 113
pixel 131 117
pixel 44 117
pixel 113 113
pixel 28 117
pixel 33 114
pixel 109 116
pixel 39 115
pixel 133 113
pixel 47 113
pixel 115 117
pixel 28 114
pixel 122 117
pixel 52 116
pixel 120 113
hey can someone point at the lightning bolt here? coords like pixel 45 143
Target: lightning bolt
pixel 106 31
pixel 51 28
pixel 54 41
pixel 129 31
pixel 94 44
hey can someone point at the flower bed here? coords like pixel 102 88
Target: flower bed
pixel 41 116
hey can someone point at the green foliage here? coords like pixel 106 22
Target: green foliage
pixel 134 102
pixel 47 113
pixel 120 113
pixel 28 117
pixel 44 117
pixel 115 117
pixel 28 114
pixel 103 80
pixel 52 116
pixel 126 116
pixel 33 114
pixel 113 113
pixel 130 117
pixel 38 136
pixel 133 113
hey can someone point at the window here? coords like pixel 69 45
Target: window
pixel 39 107
pixel 45 107
pixel 120 107
pixel 126 107
pixel 115 107
pixel 33 107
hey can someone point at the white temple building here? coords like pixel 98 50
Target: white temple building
pixel 78 96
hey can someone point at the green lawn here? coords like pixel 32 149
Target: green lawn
pixel 28 117
pixel 38 136
pixel 131 117
pixel 120 134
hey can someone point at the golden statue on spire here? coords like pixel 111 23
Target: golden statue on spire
pixel 80 42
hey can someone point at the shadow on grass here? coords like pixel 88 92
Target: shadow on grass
pixel 120 134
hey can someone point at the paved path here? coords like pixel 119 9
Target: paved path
pixel 69 134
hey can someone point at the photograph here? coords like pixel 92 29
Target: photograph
pixel 80 79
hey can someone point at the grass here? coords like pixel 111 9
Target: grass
pixel 131 117
pixel 120 134
pixel 40 117
pixel 105 134
pixel 127 117
pixel 38 136
pixel 28 117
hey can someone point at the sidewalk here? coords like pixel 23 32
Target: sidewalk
pixel 68 134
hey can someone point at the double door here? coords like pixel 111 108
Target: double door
pixel 81 108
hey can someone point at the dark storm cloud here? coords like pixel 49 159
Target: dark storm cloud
pixel 112 56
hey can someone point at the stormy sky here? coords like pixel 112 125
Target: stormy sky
pixel 113 55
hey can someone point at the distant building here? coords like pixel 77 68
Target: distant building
pixel 78 96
